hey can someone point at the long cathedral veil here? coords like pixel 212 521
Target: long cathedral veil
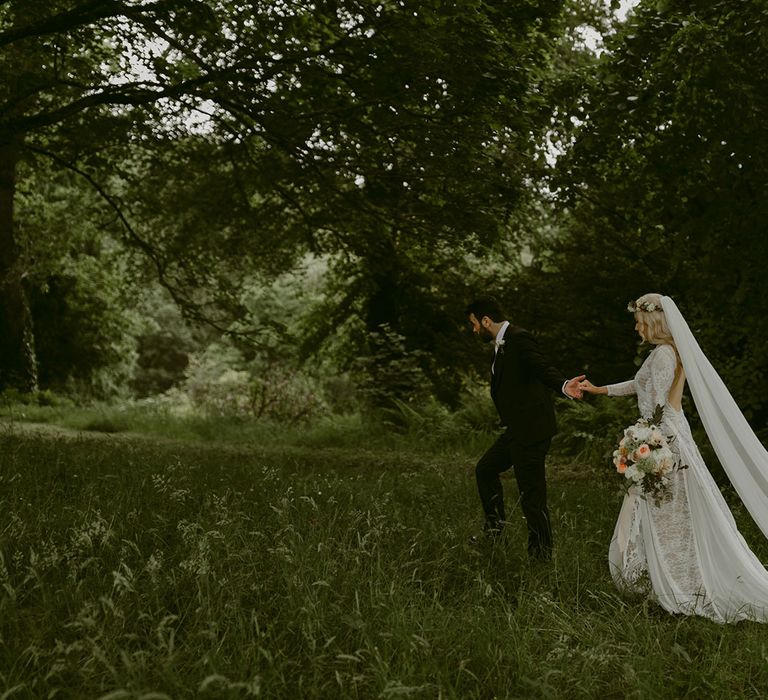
pixel 742 455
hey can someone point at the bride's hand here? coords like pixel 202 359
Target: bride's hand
pixel 589 387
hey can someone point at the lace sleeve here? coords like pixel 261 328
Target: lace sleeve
pixel 662 367
pixel 622 389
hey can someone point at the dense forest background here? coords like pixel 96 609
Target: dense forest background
pixel 280 209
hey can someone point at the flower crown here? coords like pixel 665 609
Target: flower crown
pixel 647 306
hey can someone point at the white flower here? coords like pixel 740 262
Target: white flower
pixel 633 473
pixel 648 306
pixel 664 459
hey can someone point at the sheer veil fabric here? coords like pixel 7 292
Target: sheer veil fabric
pixel 742 455
pixel 688 553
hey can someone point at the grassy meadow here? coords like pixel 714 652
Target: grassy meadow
pixel 305 565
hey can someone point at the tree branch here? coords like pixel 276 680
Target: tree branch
pixel 111 201
pixel 191 308
pixel 84 14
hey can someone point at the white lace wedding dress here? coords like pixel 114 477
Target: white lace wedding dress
pixel 685 553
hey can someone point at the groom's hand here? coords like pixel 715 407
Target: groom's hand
pixel 572 388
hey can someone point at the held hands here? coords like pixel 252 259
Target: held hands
pixel 578 386
pixel 573 387
pixel 590 388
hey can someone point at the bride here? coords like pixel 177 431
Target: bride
pixel 686 552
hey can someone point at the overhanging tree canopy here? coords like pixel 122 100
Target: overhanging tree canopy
pixel 392 136
pixel 663 187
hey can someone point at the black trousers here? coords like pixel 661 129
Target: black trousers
pixel 528 463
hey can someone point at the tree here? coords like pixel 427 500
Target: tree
pixel 662 187
pixel 399 157
pixel 391 138
pixel 69 87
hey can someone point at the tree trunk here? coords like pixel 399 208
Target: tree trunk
pixel 18 364
pixel 394 371
pixel 383 273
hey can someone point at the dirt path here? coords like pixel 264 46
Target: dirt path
pixel 51 431
pixel 301 457
pixel 47 430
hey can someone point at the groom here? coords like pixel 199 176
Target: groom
pixel 522 382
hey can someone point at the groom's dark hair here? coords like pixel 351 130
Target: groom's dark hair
pixel 486 306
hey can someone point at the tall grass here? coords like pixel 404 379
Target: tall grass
pixel 147 569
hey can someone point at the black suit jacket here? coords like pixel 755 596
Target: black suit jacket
pixel 522 383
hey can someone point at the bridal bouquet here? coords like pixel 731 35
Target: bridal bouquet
pixel 644 458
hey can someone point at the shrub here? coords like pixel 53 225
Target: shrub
pixel 162 362
pixel 589 430
pixel 390 374
pixel 219 382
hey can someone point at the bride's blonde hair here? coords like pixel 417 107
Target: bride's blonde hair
pixel 656 328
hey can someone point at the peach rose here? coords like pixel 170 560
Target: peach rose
pixel 621 467
pixel 643 451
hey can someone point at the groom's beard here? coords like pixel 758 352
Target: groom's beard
pixel 486 335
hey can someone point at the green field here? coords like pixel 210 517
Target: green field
pixel 137 567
